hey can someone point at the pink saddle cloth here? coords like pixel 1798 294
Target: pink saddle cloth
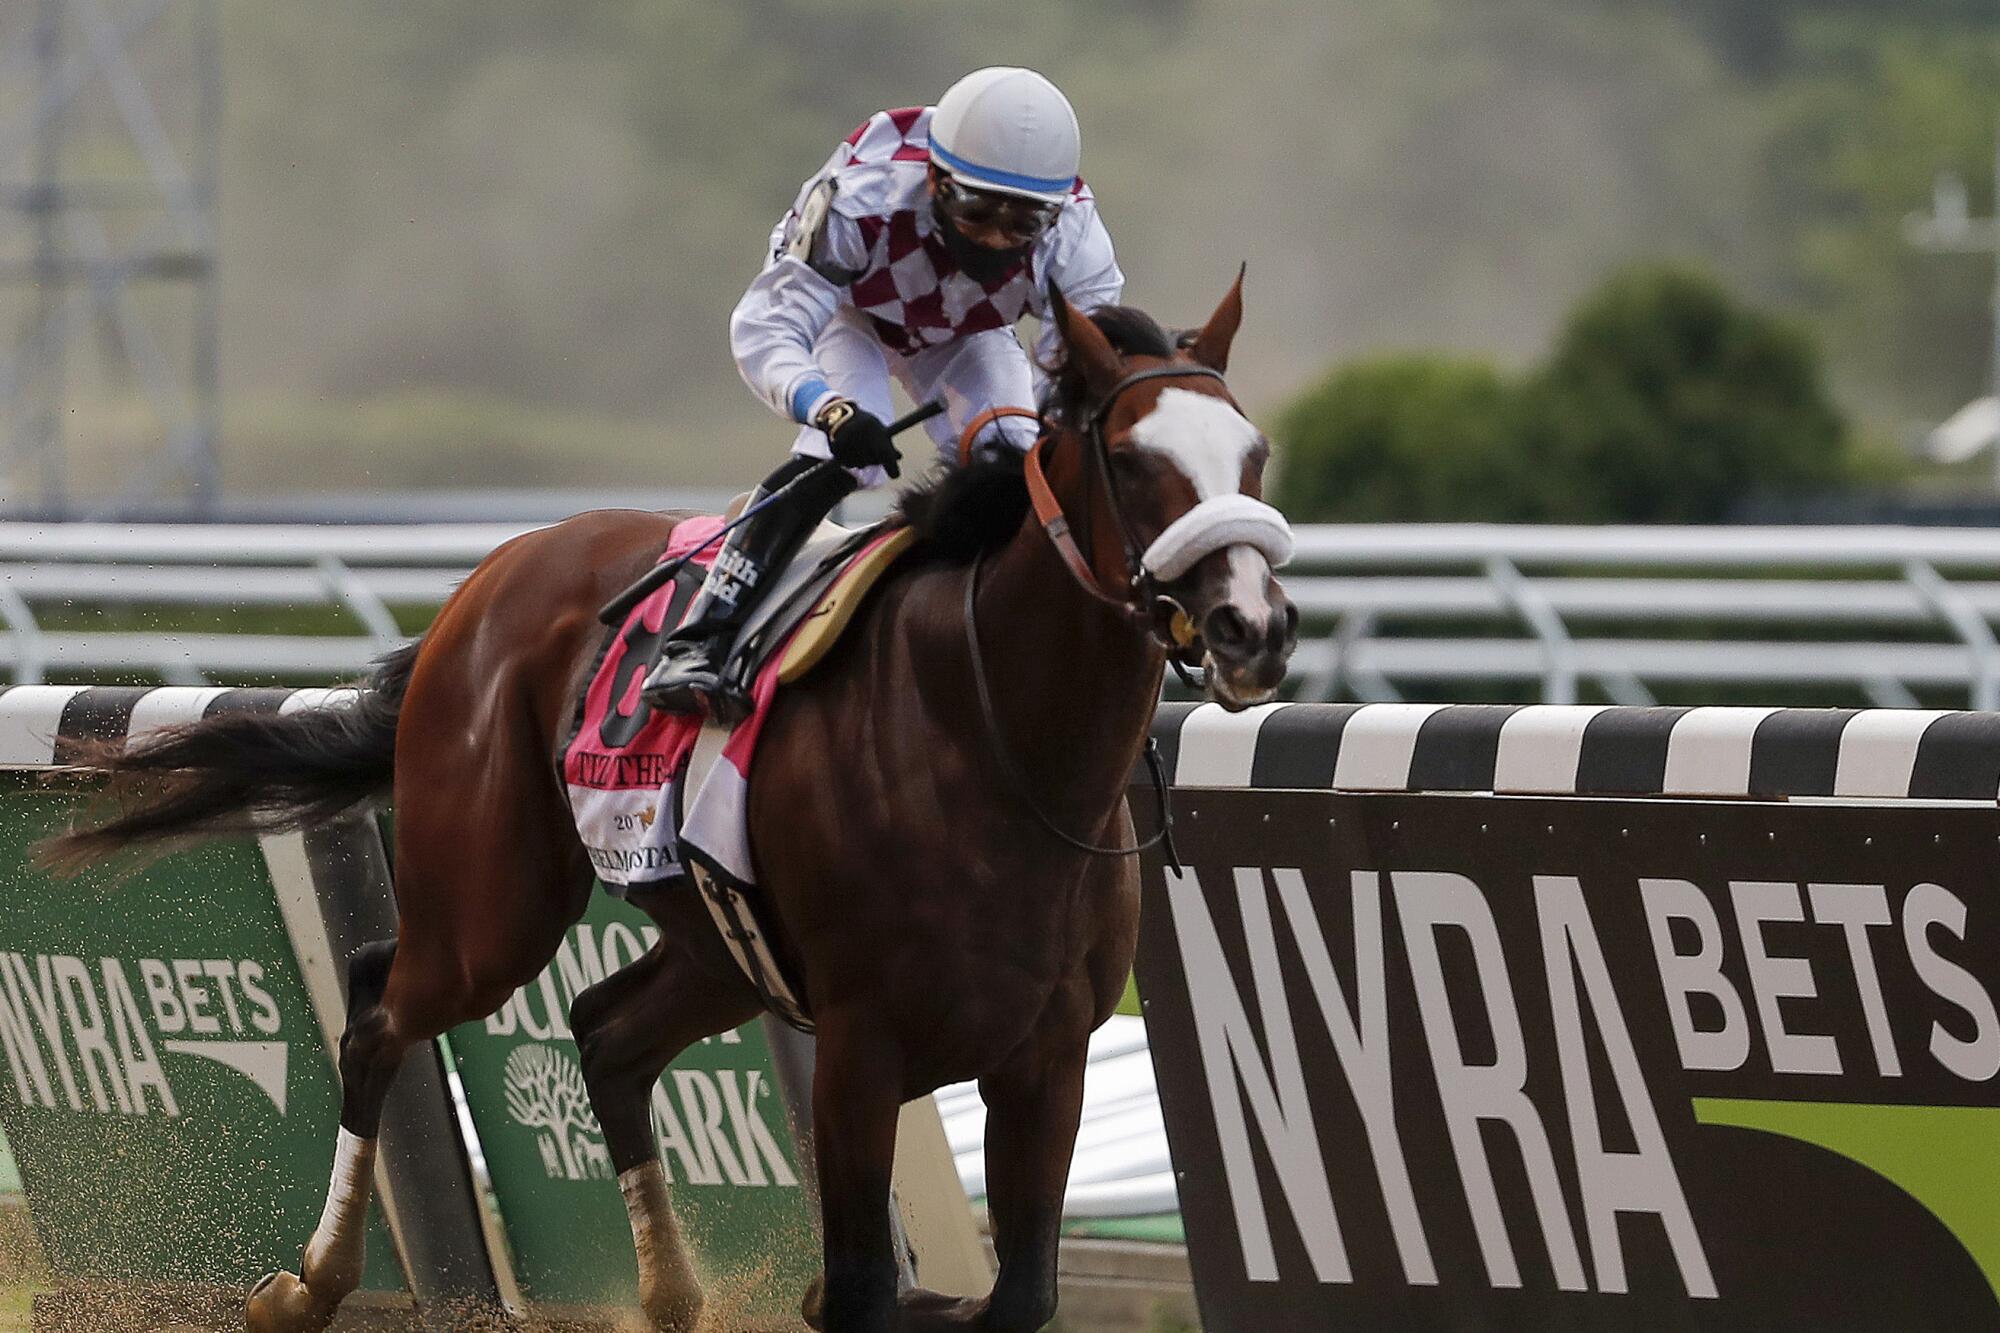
pixel 626 764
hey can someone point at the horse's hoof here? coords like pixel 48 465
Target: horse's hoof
pixel 280 1303
pixel 920 1310
pixel 672 1311
pixel 812 1307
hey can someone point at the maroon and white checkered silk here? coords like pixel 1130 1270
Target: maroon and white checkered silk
pixel 909 286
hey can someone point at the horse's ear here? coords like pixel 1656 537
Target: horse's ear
pixel 1211 345
pixel 1084 343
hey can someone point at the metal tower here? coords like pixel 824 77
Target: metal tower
pixel 1952 229
pixel 110 117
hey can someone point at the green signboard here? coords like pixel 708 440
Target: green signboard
pixel 164 1081
pixel 720 1118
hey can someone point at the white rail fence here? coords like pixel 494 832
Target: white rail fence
pixel 1550 612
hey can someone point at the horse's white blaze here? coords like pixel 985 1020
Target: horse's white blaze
pixel 1205 436
pixel 1249 575
pixel 1208 441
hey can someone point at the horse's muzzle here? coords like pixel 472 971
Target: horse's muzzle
pixel 1248 635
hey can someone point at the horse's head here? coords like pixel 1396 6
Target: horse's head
pixel 1185 512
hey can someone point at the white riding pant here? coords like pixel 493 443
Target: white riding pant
pixel 971 375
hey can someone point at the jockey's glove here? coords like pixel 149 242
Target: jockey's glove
pixel 857 436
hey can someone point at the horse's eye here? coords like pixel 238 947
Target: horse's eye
pixel 1127 464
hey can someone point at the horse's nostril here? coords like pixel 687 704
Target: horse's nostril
pixel 1285 630
pixel 1224 629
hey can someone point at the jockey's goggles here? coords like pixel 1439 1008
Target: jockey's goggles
pixel 1019 218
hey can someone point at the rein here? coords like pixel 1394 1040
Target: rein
pixel 1135 604
pixel 1163 836
pixel 1139 604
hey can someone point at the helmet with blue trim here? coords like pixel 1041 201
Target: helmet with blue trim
pixel 1009 131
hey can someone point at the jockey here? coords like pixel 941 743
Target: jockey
pixel 911 254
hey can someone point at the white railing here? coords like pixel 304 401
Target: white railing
pixel 1880 610
pixel 365 570
pixel 1549 611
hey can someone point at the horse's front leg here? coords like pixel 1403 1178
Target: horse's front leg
pixel 857 1086
pixel 1033 1105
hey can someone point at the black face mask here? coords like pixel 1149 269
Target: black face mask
pixel 975 260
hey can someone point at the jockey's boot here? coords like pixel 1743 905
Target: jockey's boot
pixel 689 673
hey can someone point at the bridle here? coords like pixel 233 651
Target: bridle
pixel 1140 602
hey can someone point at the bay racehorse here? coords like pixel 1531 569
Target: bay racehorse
pixel 938 813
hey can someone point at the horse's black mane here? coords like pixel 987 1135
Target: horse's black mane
pixel 1131 332
pixel 960 512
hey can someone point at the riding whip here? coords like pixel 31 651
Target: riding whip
pixel 615 610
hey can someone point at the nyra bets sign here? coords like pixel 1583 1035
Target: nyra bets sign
pixel 164 1080
pixel 1439 1062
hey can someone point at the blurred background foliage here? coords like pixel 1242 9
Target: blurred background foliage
pixel 498 244
pixel 1663 400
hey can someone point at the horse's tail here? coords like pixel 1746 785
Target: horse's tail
pixel 242 772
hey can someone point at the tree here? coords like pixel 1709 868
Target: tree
pixel 1665 401
pixel 1668 401
pixel 1403 438
pixel 545 1090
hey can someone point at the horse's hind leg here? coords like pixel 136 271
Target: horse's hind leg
pixel 369 1057
pixel 629 1027
pixel 460 955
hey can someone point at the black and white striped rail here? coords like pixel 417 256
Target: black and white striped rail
pixel 1535 749
pixel 39 724
pixel 1532 749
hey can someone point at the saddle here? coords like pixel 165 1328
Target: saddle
pixel 814 600
pixel 620 752
pixel 659 797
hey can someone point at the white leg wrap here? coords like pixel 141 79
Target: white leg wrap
pixel 652 1213
pixel 339 1234
pixel 353 1178
pixel 669 1290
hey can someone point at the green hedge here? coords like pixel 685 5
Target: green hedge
pixel 1665 399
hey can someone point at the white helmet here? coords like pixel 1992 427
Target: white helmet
pixel 1010 130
